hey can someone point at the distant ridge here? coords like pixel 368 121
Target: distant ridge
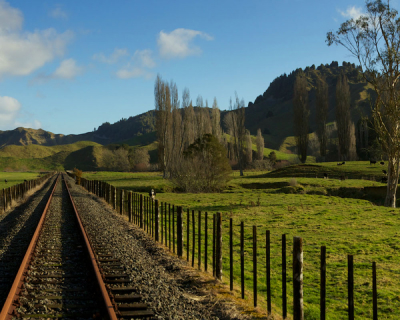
pixel 107 133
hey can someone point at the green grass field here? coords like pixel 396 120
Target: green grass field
pixel 14 178
pixel 292 201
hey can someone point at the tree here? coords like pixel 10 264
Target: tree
pixel 249 148
pixel 139 159
pixel 343 116
pixel 260 145
pixel 216 120
pixel 235 121
pixel 374 39
pixel 205 167
pixel 163 107
pixel 321 114
pixel 301 112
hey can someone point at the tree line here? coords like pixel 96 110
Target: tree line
pixel 192 147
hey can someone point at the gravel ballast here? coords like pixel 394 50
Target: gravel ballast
pixel 161 279
pixel 17 227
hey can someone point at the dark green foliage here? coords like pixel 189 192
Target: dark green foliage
pixel 205 167
pixel 272 157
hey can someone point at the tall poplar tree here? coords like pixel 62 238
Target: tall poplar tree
pixel 343 120
pixel 321 114
pixel 301 112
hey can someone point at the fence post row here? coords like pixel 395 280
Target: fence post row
pixel 142 208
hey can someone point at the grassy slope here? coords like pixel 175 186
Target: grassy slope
pixel 36 157
pixel 14 178
pixel 345 226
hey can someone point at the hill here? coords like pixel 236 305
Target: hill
pixel 106 133
pixel 86 155
pixel 273 110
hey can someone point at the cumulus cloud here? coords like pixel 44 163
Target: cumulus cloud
pixel 142 61
pixel 21 53
pixel 178 43
pixel 67 70
pixel 58 13
pixel 352 13
pixel 34 124
pixel 113 58
pixel 9 108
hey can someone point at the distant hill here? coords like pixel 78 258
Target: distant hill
pixel 106 133
pixel 85 155
pixel 272 111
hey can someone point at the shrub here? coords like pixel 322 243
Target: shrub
pixel 78 175
pixel 205 167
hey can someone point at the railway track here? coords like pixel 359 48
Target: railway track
pixel 68 273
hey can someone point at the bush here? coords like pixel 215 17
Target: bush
pixel 78 175
pixel 204 168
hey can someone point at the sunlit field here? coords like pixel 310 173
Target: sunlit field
pixel 324 212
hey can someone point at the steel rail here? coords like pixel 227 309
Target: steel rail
pixel 18 284
pixel 106 298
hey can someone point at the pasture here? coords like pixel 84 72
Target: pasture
pixel 330 212
pixel 14 178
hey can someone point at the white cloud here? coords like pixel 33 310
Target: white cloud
pixel 351 12
pixel 58 13
pixel 67 70
pixel 178 43
pixel 133 72
pixel 21 53
pixel 35 124
pixel 142 61
pixel 143 58
pixel 9 108
pixel 113 58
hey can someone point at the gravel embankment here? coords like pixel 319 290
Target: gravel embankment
pixel 16 229
pixel 160 278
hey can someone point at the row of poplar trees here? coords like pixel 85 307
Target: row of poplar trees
pixel 301 109
pixel 179 124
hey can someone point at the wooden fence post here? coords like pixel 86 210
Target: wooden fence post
pixel 205 241
pixel 173 228
pixel 213 258
pixel 230 254
pixel 284 298
pixel 199 240
pixel 323 284
pixel 242 257
pixel 298 311
pixel 374 293
pixel 169 226
pixel 218 253
pixel 350 286
pixel 130 196
pixel 255 265
pixel 193 238
pixel 157 221
pixel 121 209
pixel 179 231
pixel 141 212
pixel 268 258
pixel 115 198
pixel 187 235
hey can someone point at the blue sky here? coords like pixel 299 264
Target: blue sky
pixel 68 66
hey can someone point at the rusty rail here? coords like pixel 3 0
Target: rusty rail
pixel 106 298
pixel 9 305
